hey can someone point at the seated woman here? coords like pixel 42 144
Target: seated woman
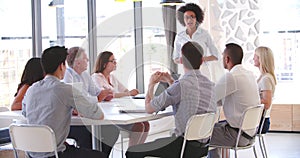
pixel 102 77
pixel 33 72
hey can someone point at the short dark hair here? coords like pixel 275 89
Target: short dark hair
pixel 192 54
pixel 102 60
pixel 235 53
pixel 52 57
pixel 190 7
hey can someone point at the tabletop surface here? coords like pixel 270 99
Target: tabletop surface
pixel 111 112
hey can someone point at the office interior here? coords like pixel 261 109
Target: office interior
pixel 139 32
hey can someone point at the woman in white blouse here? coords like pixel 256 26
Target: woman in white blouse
pixel 191 17
pixel 102 77
pixel 264 60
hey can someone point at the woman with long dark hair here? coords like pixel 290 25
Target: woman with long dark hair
pixel 33 72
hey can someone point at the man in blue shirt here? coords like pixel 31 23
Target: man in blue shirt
pixel 190 95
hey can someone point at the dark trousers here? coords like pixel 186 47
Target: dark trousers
pixel 83 137
pixel 169 147
pixel 4 136
pixel 265 127
pixel 72 152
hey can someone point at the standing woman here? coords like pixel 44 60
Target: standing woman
pixel 102 77
pixel 264 60
pixel 191 17
pixel 33 72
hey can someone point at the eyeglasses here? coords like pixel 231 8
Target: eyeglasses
pixel 189 17
pixel 114 61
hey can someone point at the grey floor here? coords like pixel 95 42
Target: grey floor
pixel 279 145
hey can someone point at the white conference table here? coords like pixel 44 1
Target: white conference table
pixel 112 116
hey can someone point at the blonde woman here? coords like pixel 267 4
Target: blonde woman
pixel 264 60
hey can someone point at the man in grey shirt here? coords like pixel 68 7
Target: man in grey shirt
pixel 50 102
pixel 76 73
pixel 190 95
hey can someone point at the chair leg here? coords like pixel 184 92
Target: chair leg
pixel 235 153
pixel 16 153
pixel 182 148
pixel 122 147
pixel 254 150
pixel 263 146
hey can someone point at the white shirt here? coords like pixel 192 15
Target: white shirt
pixel 267 82
pixel 115 85
pixel 201 36
pixel 212 69
pixel 238 91
pixel 89 87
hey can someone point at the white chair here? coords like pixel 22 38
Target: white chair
pixel 32 138
pixel 250 121
pixel 198 127
pixel 260 136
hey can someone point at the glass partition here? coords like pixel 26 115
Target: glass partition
pixel 154 40
pixel 15 45
pixel 115 33
pixel 64 25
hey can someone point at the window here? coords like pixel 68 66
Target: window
pixel 282 35
pixel 64 26
pixel 154 40
pixel 245 22
pixel 15 45
pixel 115 33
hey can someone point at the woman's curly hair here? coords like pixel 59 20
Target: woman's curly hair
pixel 190 7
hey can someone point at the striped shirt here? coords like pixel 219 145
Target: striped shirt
pixel 190 95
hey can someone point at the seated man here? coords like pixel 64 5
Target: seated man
pixel 190 95
pixel 50 102
pixel 76 72
pixel 236 91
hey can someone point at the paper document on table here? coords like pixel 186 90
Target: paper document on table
pixel 132 106
pixel 132 111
